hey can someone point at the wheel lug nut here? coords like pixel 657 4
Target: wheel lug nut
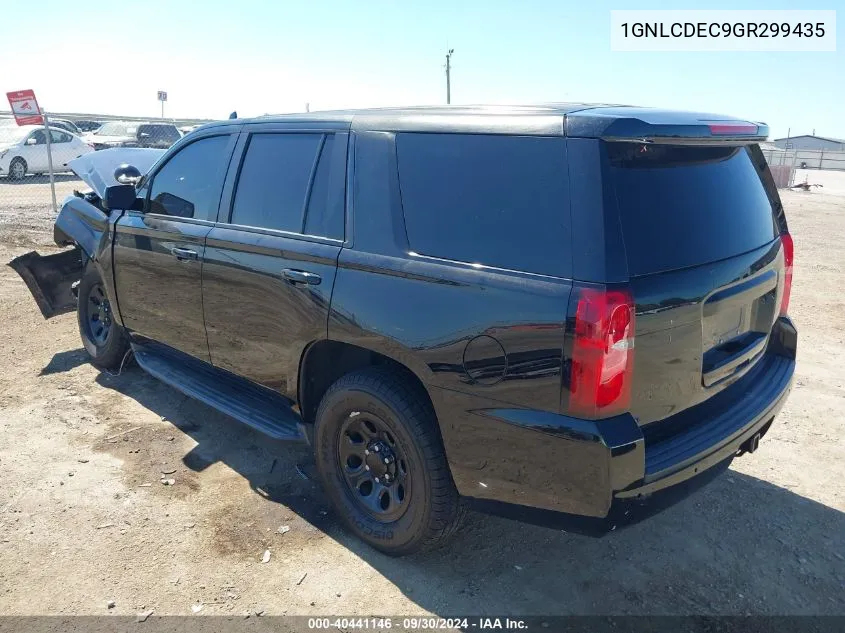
pixel 366 452
pixel 376 449
pixel 377 481
pixel 366 467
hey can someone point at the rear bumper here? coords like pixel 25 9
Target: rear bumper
pixel 595 476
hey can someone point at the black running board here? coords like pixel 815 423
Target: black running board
pixel 255 406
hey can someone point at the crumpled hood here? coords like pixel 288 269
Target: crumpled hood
pixel 97 168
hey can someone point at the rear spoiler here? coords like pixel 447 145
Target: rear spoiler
pixel 645 125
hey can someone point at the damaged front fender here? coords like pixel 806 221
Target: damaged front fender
pixel 51 278
pixel 81 222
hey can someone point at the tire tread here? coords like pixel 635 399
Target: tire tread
pixel 415 411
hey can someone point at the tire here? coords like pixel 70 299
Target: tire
pixel 104 340
pixel 423 507
pixel 17 168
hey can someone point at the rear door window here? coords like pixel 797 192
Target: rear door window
pixel 293 182
pixel 683 206
pixel 274 181
pixel 501 201
pixel 60 137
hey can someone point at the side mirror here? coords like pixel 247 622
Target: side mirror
pixel 127 174
pixel 31 141
pixel 119 197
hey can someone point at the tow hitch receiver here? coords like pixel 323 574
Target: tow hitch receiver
pixel 753 443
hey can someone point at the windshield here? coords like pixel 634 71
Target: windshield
pixel 12 133
pixel 117 128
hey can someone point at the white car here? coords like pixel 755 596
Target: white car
pixel 23 150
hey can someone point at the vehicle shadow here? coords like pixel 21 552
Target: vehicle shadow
pixel 739 546
pixel 65 361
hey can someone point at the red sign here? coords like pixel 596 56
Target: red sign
pixel 25 107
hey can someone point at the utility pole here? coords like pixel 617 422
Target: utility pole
pixel 448 75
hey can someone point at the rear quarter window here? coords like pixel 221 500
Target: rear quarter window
pixel 682 206
pixel 500 201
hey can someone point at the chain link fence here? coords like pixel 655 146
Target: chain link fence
pixel 824 168
pixel 26 205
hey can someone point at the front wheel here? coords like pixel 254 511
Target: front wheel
pixel 17 168
pixel 104 340
pixel 382 462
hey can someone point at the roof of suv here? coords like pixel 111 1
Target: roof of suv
pixel 555 119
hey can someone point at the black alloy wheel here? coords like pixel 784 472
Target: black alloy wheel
pixel 98 315
pixel 375 467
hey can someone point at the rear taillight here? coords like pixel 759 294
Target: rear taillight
pixel 602 353
pixel 788 257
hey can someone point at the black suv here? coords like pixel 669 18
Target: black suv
pixel 576 312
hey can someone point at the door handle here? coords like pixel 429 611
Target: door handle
pixel 301 277
pixel 183 254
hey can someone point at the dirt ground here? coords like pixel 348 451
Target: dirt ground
pixel 85 519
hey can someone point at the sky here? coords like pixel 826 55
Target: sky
pixel 272 57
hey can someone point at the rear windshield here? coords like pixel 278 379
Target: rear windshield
pixel 683 206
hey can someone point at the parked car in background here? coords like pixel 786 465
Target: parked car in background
pixel 23 150
pixel 187 129
pixel 134 134
pixel 88 126
pixel 67 126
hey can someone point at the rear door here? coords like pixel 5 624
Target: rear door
pixel 158 253
pixel 63 149
pixel 34 151
pixel 271 260
pixel 700 236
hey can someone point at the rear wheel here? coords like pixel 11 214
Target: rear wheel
pixel 382 462
pixel 104 340
pixel 17 168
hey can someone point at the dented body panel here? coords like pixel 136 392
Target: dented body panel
pixel 50 278
pixel 85 225
pixel 82 223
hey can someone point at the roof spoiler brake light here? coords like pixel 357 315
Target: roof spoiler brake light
pixel 732 129
pixel 648 125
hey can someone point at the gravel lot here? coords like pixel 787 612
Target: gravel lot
pixel 85 520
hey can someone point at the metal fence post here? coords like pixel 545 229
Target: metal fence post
pixel 50 159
